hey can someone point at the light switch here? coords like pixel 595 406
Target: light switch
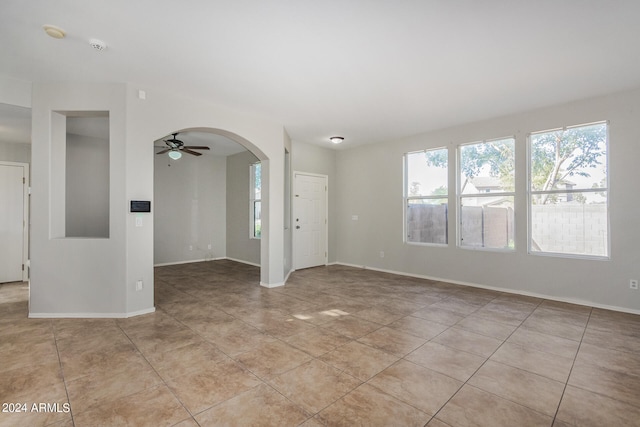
pixel 138 221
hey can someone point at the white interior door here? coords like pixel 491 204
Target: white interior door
pixel 309 220
pixel 12 222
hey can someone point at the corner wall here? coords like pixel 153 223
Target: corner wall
pixel 240 246
pixel 371 186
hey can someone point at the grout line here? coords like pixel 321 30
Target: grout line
pixel 64 380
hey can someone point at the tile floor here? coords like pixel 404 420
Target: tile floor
pixel 336 346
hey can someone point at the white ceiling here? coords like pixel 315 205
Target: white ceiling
pixel 369 70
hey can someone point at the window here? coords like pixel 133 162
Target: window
pixel 568 191
pixel 486 194
pixel 426 197
pixel 255 203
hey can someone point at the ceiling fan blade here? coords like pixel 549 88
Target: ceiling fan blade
pixel 197 147
pixel 195 153
pixel 164 151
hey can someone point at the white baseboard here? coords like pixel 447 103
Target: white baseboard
pixel 187 262
pixel 271 285
pixel 242 261
pixel 495 288
pixel 90 315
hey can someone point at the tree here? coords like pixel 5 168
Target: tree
pixel 558 155
pixel 555 156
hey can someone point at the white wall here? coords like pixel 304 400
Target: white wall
pixel 97 277
pixel 87 187
pixel 240 246
pixel 315 159
pixel 69 276
pixel 14 152
pixel 189 208
pixel 371 186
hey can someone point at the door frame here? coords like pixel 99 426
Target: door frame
pixel 25 215
pixel 294 210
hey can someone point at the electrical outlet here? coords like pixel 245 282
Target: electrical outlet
pixel 633 284
pixel 139 285
pixel 381 254
pixel 190 247
pixel 209 246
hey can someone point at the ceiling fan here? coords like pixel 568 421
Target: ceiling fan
pixel 177 147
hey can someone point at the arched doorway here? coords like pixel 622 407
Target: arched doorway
pixel 205 203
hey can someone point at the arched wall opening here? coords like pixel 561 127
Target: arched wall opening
pixel 203 203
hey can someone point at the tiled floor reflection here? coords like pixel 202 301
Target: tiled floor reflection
pixel 336 346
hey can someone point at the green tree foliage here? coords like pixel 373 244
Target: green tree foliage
pixel 555 157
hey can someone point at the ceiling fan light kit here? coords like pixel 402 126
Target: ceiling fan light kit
pixel 175 155
pixel 177 147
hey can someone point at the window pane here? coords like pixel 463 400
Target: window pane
pixel 257 180
pixel 572 223
pixel 487 167
pixel 487 222
pixel 427 221
pixel 427 173
pixel 574 158
pixel 257 223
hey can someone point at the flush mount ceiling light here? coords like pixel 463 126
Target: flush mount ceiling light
pixel 53 31
pixel 97 44
pixel 175 155
pixel 336 139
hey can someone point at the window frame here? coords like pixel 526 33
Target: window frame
pixel 460 197
pixel 253 201
pixel 531 193
pixel 406 199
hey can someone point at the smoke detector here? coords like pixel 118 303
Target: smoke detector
pixel 53 31
pixel 97 44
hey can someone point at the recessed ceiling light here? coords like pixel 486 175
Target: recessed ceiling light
pixel 97 44
pixel 336 139
pixel 53 31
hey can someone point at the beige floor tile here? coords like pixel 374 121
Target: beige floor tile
pixel 100 387
pixel 352 327
pixel 544 342
pixel 560 326
pixel 29 382
pixel 457 306
pixel 418 327
pixel 317 341
pixel 587 409
pixel 314 385
pixel 546 364
pixel 108 359
pixel 37 419
pixel 487 327
pixel 615 341
pixel 367 406
pixel 420 387
pixel 619 361
pixel 378 315
pixel 392 341
pixel 206 387
pixel 438 315
pixel 446 360
pixel 617 385
pixel 359 360
pixel 470 342
pixel 533 391
pixel 474 407
pixel 154 407
pixel 182 360
pixel 214 324
pixel 272 358
pixel 260 406
pixel 237 337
